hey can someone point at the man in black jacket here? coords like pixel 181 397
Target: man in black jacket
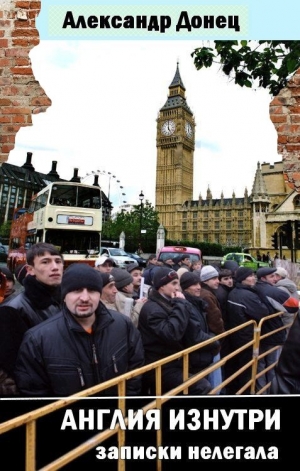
pixel 244 304
pixel 83 345
pixel 163 322
pixel 39 301
pixel 287 371
pixel 274 298
pixel 197 329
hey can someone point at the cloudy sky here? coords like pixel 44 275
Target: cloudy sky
pixel 106 96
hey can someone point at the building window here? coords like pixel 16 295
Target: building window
pixel 184 215
pixel 217 225
pixel 296 202
pixel 228 214
pixel 205 214
pixel 228 225
pixel 184 227
pixel 217 214
pixel 195 226
pixel 205 225
pixel 195 215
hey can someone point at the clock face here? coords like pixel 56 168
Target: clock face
pixel 188 129
pixel 168 127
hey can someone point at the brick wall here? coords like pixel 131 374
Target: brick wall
pixel 285 115
pixel 20 94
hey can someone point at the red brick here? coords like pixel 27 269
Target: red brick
pixel 6 148
pixel 3 43
pixel 279 118
pixel 21 70
pixel 5 102
pixel 23 32
pixel 41 101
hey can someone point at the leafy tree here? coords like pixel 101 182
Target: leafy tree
pixel 130 223
pixel 4 232
pixel 271 63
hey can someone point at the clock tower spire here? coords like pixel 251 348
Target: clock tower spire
pixel 175 144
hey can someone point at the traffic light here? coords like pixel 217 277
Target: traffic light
pixel 274 241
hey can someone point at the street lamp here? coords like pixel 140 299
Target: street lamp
pixel 141 197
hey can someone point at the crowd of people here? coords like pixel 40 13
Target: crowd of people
pixel 68 330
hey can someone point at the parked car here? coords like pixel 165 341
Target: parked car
pixel 140 260
pixel 245 260
pixel 3 253
pixel 121 258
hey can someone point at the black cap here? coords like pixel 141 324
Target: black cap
pixel 80 275
pixel 265 271
pixel 242 273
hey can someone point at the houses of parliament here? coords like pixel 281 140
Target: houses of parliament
pixel 266 219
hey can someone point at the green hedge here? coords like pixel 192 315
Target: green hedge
pixel 205 247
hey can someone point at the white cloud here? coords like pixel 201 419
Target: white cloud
pixel 105 99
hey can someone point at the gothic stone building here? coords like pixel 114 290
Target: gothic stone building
pixel 265 220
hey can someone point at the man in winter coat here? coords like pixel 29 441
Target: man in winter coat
pixel 197 330
pixel 151 263
pixel 275 299
pixel 83 345
pixel 244 304
pixel 39 301
pixel 126 301
pixel 289 286
pixel 209 277
pixel 163 322
pixel 287 370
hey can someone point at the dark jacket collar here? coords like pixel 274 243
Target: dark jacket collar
pixel 41 295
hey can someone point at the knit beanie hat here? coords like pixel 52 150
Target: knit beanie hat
pixel 133 266
pixel 231 265
pixel 78 276
pixel 106 278
pixel 188 279
pixel 208 272
pixel 162 276
pixel 9 275
pixel 122 277
pixel 242 273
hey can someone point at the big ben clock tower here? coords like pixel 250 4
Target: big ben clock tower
pixel 175 144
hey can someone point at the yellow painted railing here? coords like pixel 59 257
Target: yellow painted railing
pixel 29 420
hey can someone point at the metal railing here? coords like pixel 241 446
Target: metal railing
pixel 29 420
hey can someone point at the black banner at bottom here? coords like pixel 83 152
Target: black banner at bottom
pixel 195 431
